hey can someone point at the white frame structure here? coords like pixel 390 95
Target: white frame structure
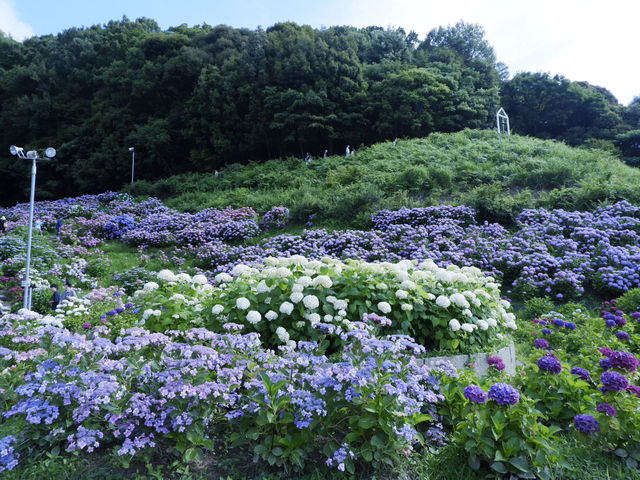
pixel 502 121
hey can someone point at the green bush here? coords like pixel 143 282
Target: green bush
pixel 630 301
pixel 536 307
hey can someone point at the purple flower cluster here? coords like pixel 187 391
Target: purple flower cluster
pixel 504 394
pixel 8 456
pixel 179 375
pixel 623 360
pixel 586 424
pixel 583 373
pixel 550 364
pixel 541 343
pixel 607 409
pixel 277 217
pixel 496 362
pixel 613 381
pixel 475 394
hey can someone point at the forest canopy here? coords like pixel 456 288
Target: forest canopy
pixel 197 98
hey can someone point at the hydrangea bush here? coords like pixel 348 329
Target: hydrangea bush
pixel 291 299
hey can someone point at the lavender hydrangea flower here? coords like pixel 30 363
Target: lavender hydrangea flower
pixel 546 331
pixel 504 394
pixel 624 361
pixel 475 394
pixel 610 323
pixel 586 424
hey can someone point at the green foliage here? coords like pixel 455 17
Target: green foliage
pixel 536 307
pixel 630 301
pixel 499 176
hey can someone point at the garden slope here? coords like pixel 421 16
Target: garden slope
pixel 497 175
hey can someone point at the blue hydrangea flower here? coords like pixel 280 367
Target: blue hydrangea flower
pixel 504 394
pixel 475 394
pixel 586 424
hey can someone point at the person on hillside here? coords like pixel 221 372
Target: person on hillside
pixel 58 227
pixel 55 298
pixel 307 158
pixel 68 291
pixel 347 151
pixel 3 224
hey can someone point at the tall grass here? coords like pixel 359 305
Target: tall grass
pixel 498 175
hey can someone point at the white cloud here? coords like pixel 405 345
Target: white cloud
pixel 10 24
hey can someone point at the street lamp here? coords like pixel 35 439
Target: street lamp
pixel 49 153
pixel 133 161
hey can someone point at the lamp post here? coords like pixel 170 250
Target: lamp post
pixel 34 157
pixel 133 161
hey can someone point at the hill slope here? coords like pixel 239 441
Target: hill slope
pixel 497 175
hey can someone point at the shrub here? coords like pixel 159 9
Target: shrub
pixel 630 301
pixel 443 309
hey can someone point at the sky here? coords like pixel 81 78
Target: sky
pixel 590 40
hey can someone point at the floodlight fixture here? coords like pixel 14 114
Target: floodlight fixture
pixel 132 149
pixel 34 157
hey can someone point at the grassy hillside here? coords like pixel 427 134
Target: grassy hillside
pixel 497 175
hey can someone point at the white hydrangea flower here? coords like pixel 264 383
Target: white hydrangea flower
pixel 342 313
pixel 402 294
pixel 167 276
pixel 483 324
pixel 291 344
pixel 223 278
pixel 492 322
pixel 305 281
pixel 183 277
pixel 271 315
pixel 444 276
pixel 384 307
pixel 262 287
pixel 454 324
pixel 512 325
pixel 467 313
pixel 408 285
pixel 331 299
pixel 177 296
pixel 407 307
pixel 467 327
pixel 286 308
pixel 283 272
pixel 311 302
pixel 300 324
pixel 340 304
pixel 443 301
pixel 328 318
pixel 253 317
pixel 322 281
pixel 295 297
pixel 242 303
pixel 200 279
pixel 150 286
pixel 296 287
pixel 459 300
pixel 282 334
pixel 240 269
pixel 381 286
pixel 157 313
pixel 314 318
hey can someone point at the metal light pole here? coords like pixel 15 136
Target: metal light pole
pixel 133 161
pixel 34 157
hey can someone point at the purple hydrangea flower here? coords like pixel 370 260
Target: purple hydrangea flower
pixel 86 325
pixel 610 323
pixel 605 363
pixel 622 335
pixel 541 343
pixel 614 381
pixel 570 325
pixel 550 363
pixel 624 361
pixel 586 424
pixel 475 394
pixel 546 331
pixel 606 351
pixel 583 373
pixel 557 322
pixel 496 362
pixel 606 408
pixel 504 394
